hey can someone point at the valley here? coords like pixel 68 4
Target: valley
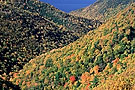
pixel 43 48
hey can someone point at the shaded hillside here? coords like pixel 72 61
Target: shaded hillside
pixel 25 34
pixel 102 9
pixel 84 64
pixel 76 24
pixel 6 85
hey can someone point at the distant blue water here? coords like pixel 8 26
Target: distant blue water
pixel 69 5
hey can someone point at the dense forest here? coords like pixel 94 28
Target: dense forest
pixel 43 48
pixel 25 34
pixel 102 9
pixel 92 62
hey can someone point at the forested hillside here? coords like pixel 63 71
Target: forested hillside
pixel 25 33
pixel 77 25
pixel 102 9
pixel 103 55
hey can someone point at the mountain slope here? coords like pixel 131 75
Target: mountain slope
pixel 102 9
pixel 25 34
pixel 88 61
pixel 70 22
pixel 125 80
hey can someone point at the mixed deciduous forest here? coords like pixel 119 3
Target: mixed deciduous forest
pixel 105 52
pixel 26 34
pixel 43 48
pixel 102 9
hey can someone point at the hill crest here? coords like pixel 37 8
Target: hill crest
pixel 102 9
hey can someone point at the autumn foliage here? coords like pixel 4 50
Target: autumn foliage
pixel 96 60
pixel 86 78
pixel 87 87
pixel 115 61
pixel 72 79
pixel 96 69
